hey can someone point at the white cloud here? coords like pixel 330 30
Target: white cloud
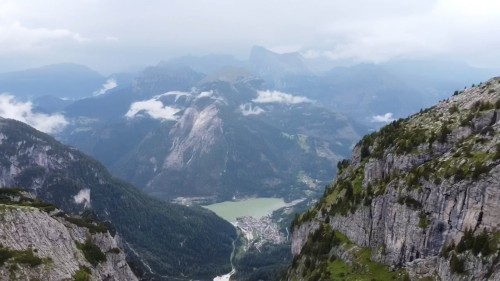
pixel 154 108
pixel 386 118
pixel 108 85
pixel 247 109
pixel 361 30
pixel 23 111
pixel 279 97
pixel 15 37
pixel 83 197
pixel 177 94
pixel 206 94
pixel 451 29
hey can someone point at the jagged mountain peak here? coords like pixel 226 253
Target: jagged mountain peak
pixel 208 63
pixel 259 52
pixel 274 66
pixel 165 77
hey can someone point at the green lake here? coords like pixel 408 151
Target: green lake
pixel 254 207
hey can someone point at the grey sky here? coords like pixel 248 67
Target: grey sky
pixel 113 35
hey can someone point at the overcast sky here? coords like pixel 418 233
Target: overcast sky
pixel 114 35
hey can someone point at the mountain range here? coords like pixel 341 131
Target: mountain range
pixel 64 80
pixel 216 128
pixel 223 138
pixel 362 91
pixel 201 127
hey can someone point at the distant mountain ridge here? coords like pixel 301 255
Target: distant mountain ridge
pixel 65 80
pixel 338 88
pixel 361 90
pixel 400 87
pixel 370 94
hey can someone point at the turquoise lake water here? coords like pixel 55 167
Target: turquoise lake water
pixel 254 207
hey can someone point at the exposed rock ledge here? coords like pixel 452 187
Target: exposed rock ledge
pixel 53 239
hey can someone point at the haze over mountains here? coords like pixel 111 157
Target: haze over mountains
pixel 59 80
pixel 148 140
pixel 209 129
pixel 340 87
pixel 336 87
pixel 161 127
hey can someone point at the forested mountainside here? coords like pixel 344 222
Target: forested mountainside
pixel 419 200
pixel 171 240
pixel 40 242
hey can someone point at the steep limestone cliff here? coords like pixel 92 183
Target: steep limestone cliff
pixel 40 242
pixel 419 199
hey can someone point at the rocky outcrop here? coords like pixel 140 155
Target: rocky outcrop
pixel 52 247
pixel 424 190
pixel 300 235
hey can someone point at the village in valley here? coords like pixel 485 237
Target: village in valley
pixel 259 231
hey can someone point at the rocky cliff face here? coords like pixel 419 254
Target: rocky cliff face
pixel 40 242
pixel 420 197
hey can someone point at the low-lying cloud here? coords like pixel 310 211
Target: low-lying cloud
pixel 108 85
pixel 23 111
pixel 154 108
pixel 83 197
pixel 386 118
pixel 206 94
pixel 279 97
pixel 247 109
pixel 18 38
pixel 176 94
